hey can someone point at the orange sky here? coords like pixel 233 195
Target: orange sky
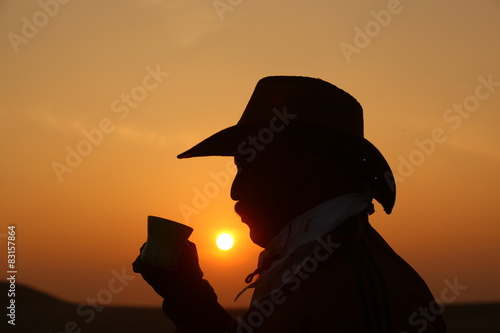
pixel 188 71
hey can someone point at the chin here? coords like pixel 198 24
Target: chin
pixel 260 233
pixel 258 239
pixel 262 226
pixel 255 235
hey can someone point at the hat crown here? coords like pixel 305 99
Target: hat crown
pixel 307 99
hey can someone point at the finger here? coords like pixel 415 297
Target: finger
pixel 142 248
pixel 138 265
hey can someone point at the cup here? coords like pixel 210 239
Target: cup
pixel 165 241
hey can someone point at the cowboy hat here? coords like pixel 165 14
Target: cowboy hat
pixel 311 112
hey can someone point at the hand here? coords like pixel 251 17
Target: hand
pixel 188 300
pixel 173 286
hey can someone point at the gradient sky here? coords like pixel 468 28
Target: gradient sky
pixel 419 73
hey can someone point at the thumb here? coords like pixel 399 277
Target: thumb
pixel 138 264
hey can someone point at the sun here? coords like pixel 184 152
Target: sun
pixel 225 241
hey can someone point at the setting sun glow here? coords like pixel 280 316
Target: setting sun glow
pixel 225 242
pixel 110 105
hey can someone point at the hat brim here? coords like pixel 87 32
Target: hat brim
pixel 323 138
pixel 222 143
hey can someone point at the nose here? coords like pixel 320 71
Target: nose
pixel 237 188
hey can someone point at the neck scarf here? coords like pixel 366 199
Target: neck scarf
pixel 297 239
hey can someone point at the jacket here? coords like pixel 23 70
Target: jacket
pixel 352 282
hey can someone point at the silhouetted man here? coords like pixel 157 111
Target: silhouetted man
pixel 305 184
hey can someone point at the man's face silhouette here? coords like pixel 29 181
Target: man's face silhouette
pixel 260 189
pixel 282 183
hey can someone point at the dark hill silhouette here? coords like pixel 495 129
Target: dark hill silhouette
pixel 37 311
pixel 34 308
pixel 34 296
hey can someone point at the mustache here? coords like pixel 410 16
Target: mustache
pixel 245 210
pixel 240 208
